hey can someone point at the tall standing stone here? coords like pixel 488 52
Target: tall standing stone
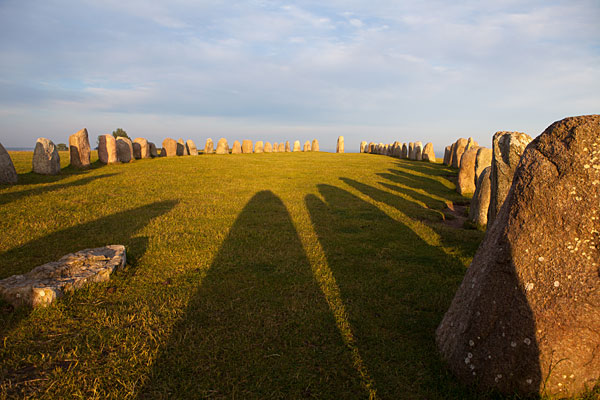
pixel 480 201
pixel 169 148
pixel 107 149
pixel 281 148
pixel 287 146
pixel 296 146
pixel 451 157
pixel 181 150
pixel 247 146
pixel 268 147
pixel 404 153
pixel 466 172
pixel 363 146
pixel 340 145
pixel 191 148
pixel 418 151
pixel 237 148
pixel 526 317
pixel 371 148
pixel 315 145
pixel 259 147
pixel 46 160
pixel 459 149
pixel 222 146
pixel 428 153
pixel 124 150
pixel 141 149
pixel 507 148
pixel 209 147
pixel 412 155
pixel 447 155
pixel 8 174
pixel 482 161
pixel 275 147
pixel 306 146
pixel 79 149
pixel 153 152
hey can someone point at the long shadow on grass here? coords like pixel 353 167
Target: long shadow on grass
pixel 258 325
pixel 396 289
pixel 6 198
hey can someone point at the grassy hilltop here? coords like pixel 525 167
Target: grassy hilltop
pixel 284 275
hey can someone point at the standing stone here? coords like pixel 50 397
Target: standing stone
pixel 46 160
pixel 275 147
pixel 237 148
pixel 526 317
pixel 181 150
pixel 466 172
pixel 481 199
pixel 107 149
pixel 124 150
pixel 404 153
pixel 79 149
pixel 259 147
pixel 281 148
pixel 371 148
pixel 296 145
pixel 268 147
pixel 459 149
pixel 471 143
pixel 191 148
pixel 315 145
pixel 412 155
pixel 340 145
pixel 209 146
pixel 163 152
pixel 482 161
pixel 363 146
pixel 287 147
pixel 507 148
pixel 306 146
pixel 428 153
pixel 8 174
pixel 222 146
pixel 247 146
pixel 141 149
pixel 169 148
pixel 447 155
pixel 418 151
pixel 451 157
pixel 153 152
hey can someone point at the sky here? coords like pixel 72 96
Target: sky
pixel 381 71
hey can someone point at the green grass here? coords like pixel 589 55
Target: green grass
pixel 285 275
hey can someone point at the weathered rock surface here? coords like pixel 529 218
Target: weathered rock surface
pixel 209 147
pixel 526 317
pixel 296 146
pixel 457 152
pixel 8 174
pixel 259 147
pixel 363 147
pixel 418 151
pixel 428 153
pixel 169 147
pixel 107 149
pixel 275 147
pixel 153 151
pixel 247 146
pixel 447 155
pixel 306 146
pixel 481 199
pixel 222 146
pixel 181 150
pixel 281 148
pixel 79 149
pixel 507 148
pixel 340 145
pixel 237 148
pixel 315 145
pixel 482 161
pixel 404 153
pixel 451 157
pixel 46 160
pixel 466 172
pixel 141 148
pixel 412 155
pixel 268 147
pixel 287 146
pixel 191 148
pixel 124 150
pixel 44 284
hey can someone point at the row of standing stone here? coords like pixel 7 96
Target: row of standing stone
pixel 486 173
pixel 411 151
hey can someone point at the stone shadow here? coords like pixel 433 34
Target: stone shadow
pixel 258 325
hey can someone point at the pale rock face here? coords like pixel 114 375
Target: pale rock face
pixel 275 147
pixel 222 146
pixel 237 148
pixel 8 174
pixel 153 151
pixel 79 149
pixel 191 148
pixel 247 146
pixel 466 172
pixel 418 151
pixel 209 146
pixel 124 150
pixel 281 148
pixel 481 199
pixel 428 153
pixel 507 148
pixel 363 146
pixel 306 146
pixel 259 147
pixel 296 146
pixel 46 160
pixel 340 145
pixel 141 148
pixel 315 145
pixel 169 147
pixel 482 161
pixel 526 318
pixel 459 149
pixel 44 284
pixel 268 147
pixel 107 149
pixel 287 147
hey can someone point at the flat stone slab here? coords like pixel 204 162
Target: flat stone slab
pixel 45 283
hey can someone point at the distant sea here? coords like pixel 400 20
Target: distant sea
pixel 20 148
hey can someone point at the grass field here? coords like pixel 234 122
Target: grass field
pixel 284 275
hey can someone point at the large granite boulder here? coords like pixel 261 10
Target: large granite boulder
pixel 418 151
pixel 209 147
pixel 428 153
pixel 526 317
pixel 45 283
pixel 153 151
pixel 268 147
pixel 481 199
pixel 169 148
pixel 296 146
pixel 288 149
pixel 482 161
pixel 281 148
pixel 141 148
pixel 340 145
pixel 447 155
pixel 363 146
pixel 236 148
pixel 124 150
pixel 222 146
pixel 507 148
pixel 259 147
pixel 457 152
pixel 247 146
pixel 107 149
pixel 181 150
pixel 314 145
pixel 306 146
pixel 466 172
pixel 46 160
pixel 79 149
pixel 8 174
pixel 191 148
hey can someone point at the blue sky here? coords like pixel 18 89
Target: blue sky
pixel 271 70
